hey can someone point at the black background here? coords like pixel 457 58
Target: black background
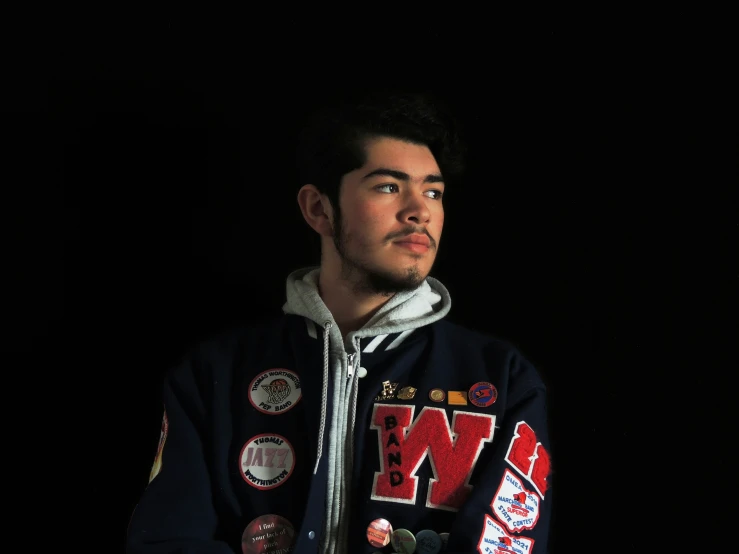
pixel 150 202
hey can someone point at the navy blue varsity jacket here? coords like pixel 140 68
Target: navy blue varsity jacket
pixel 410 432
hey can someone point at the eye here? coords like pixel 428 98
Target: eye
pixel 436 194
pixel 385 186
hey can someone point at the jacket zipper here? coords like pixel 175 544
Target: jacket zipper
pixel 350 365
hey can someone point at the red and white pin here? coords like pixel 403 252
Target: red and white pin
pixel 266 461
pixel 378 532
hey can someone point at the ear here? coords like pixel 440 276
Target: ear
pixel 316 209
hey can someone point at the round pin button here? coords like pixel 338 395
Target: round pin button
pixel 362 372
pixel 378 532
pixel 267 533
pixel 437 395
pixel 444 541
pixel 483 394
pixel 275 391
pixel 428 542
pixel 403 541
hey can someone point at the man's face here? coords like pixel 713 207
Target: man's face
pixel 394 197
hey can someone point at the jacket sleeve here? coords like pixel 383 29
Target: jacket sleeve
pixel 175 514
pixel 511 507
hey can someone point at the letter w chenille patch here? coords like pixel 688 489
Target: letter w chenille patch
pixel 405 443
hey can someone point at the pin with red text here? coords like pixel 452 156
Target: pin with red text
pixel 495 539
pixel 378 532
pixel 275 391
pixel 514 505
pixel 268 534
pixel 266 461
pixel 483 394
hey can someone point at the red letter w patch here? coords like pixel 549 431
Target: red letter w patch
pixel 404 445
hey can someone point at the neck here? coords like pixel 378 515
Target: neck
pixel 350 308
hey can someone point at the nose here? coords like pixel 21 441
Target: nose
pixel 415 210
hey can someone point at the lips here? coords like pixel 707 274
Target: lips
pixel 423 240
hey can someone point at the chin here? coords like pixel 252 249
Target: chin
pixel 396 280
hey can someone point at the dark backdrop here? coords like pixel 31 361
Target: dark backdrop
pixel 154 183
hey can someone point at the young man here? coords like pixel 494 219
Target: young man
pixel 360 420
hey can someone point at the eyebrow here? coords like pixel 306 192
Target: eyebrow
pixel 401 176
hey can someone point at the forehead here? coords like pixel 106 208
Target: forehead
pixel 414 159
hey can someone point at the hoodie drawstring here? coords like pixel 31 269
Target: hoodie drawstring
pixel 324 395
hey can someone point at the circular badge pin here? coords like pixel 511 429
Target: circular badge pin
pixel 378 532
pixel 266 461
pixel 403 541
pixel 444 541
pixel 267 534
pixel 275 391
pixel 428 542
pixel 483 394
pixel 437 395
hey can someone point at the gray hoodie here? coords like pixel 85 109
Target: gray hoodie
pixel 403 313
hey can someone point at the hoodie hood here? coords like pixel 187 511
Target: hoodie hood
pixel 406 310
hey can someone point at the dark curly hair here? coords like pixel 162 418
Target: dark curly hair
pixel 332 141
